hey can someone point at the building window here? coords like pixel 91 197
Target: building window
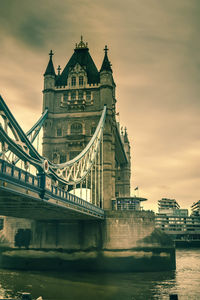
pixel 73 154
pixel 63 158
pixel 93 130
pixel 73 81
pixel 73 95
pixel 76 128
pixel 59 132
pixel 80 95
pixel 80 80
pixel 66 96
pixel 88 95
pixel 55 158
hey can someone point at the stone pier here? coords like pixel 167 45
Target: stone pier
pixel 124 241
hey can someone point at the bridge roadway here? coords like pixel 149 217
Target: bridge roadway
pixel 23 195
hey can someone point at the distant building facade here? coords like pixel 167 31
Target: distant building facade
pixel 175 221
pixel 75 99
pixel 196 208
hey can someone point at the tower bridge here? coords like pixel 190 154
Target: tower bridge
pixel 64 196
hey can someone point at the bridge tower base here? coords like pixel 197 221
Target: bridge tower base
pixel 124 241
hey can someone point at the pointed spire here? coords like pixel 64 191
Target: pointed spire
pixel 106 65
pixel 50 68
pixel 125 136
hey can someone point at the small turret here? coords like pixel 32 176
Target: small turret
pixel 49 75
pixel 106 65
pixel 107 82
pixel 126 136
pixel 50 67
pixel 49 84
pixel 127 144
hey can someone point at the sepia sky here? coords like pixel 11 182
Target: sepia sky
pixel 155 55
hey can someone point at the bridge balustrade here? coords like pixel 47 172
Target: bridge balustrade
pixel 43 186
pixel 16 173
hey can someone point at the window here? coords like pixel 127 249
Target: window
pixel 73 154
pixel 93 130
pixel 76 128
pixel 66 96
pixel 55 157
pixel 63 158
pixel 73 95
pixel 73 81
pixel 59 132
pixel 88 95
pixel 80 80
pixel 80 95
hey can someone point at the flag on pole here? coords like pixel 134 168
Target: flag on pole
pixel 135 189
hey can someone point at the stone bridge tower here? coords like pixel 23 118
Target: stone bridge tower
pixel 75 99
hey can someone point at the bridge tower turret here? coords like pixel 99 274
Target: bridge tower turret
pixel 126 169
pixel 107 97
pixel 107 88
pixel 49 84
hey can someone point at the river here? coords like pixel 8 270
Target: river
pixel 185 282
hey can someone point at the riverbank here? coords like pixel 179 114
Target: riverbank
pixel 138 259
pixel 108 286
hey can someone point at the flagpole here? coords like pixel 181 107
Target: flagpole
pixel 137 189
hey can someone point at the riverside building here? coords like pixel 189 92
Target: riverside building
pixel 177 223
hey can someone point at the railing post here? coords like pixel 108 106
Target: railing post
pixel 45 185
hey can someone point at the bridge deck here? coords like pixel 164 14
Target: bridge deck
pixel 21 196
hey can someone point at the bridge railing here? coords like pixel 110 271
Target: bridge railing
pixel 69 197
pixel 43 186
pixel 18 174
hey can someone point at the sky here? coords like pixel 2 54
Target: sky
pixel 154 48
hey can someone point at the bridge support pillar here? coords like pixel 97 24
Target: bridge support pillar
pixel 124 241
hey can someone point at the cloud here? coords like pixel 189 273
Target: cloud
pixel 154 49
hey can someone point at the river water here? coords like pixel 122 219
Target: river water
pixel 185 282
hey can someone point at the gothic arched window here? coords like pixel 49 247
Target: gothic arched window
pixel 93 128
pixel 73 95
pixel 73 81
pixel 76 128
pixel 66 96
pixel 59 131
pixel 88 95
pixel 55 158
pixel 80 95
pixel 80 80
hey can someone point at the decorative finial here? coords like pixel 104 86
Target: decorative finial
pixel 81 45
pixel 51 53
pixel 106 49
pixel 59 69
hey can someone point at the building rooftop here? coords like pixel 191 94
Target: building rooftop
pixel 81 56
